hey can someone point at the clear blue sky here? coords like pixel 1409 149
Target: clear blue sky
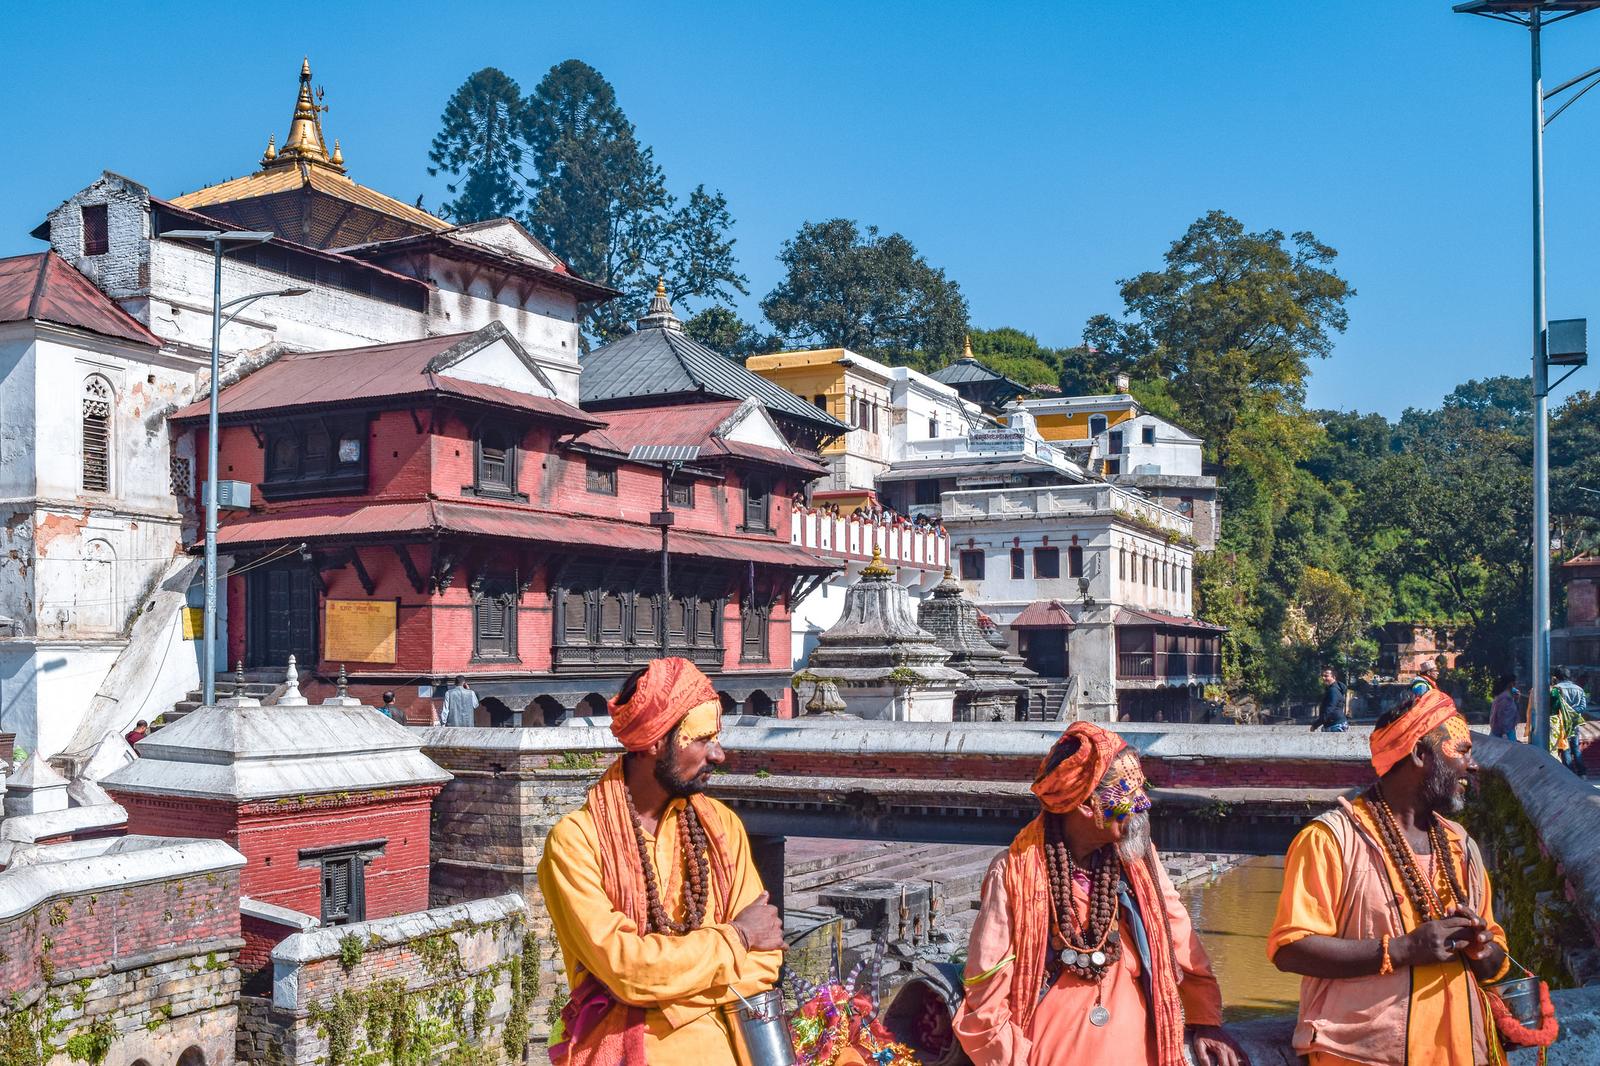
pixel 1037 152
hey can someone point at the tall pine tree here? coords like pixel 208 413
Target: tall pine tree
pixel 480 145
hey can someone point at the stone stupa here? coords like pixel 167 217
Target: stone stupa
pixel 884 665
pixel 991 692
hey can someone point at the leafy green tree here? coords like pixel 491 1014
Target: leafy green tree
pixel 1233 320
pixel 702 265
pixel 1575 473
pixel 854 288
pixel 480 145
pixel 722 330
pixel 1017 355
pixel 598 198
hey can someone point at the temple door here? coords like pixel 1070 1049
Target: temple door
pixel 281 606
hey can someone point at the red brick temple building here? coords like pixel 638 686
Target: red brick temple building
pixel 430 508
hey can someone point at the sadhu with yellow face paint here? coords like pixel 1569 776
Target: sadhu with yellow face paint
pixel 1386 907
pixel 1082 951
pixel 658 908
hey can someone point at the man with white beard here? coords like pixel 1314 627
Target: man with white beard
pixel 1082 951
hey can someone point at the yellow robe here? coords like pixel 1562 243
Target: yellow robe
pixel 1439 1031
pixel 680 980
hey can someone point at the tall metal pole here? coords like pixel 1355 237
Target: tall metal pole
pixel 1539 696
pixel 666 573
pixel 209 656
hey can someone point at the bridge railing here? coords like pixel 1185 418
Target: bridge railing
pixel 839 537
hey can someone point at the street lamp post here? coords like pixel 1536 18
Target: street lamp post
pixel 218 239
pixel 1534 15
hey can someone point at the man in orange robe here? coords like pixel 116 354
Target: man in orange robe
pixel 658 908
pixel 1383 983
pixel 1037 993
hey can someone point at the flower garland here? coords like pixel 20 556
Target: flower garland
pixel 1517 1033
pixel 833 1021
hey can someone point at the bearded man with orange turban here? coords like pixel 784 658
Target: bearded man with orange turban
pixel 1386 908
pixel 1082 951
pixel 657 906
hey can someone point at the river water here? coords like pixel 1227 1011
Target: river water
pixel 1233 913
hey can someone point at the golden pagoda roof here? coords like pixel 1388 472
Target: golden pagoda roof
pixel 302 166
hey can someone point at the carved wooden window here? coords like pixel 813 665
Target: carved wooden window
pixel 344 896
pixel 600 477
pixel 495 450
pixel 97 397
pixel 96 233
pixel 681 494
pixel 315 457
pixel 494 618
pixel 754 625
pixel 757 501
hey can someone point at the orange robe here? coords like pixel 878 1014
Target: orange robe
pixel 1060 1031
pixel 1439 1027
pixel 680 980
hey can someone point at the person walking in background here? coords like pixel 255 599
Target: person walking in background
pixel 1506 710
pixel 391 710
pixel 459 703
pixel 1331 716
pixel 1567 703
pixel 1427 677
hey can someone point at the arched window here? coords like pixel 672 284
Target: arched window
pixel 1097 425
pixel 97 397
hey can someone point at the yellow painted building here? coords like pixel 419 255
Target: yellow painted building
pixel 818 376
pixel 1080 417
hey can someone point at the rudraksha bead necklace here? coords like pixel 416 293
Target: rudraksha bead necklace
pixel 1090 949
pixel 696 874
pixel 1424 899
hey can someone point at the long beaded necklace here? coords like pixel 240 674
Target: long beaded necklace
pixel 1421 891
pixel 696 874
pixel 1091 948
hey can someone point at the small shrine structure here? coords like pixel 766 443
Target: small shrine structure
pixel 884 664
pixel 992 691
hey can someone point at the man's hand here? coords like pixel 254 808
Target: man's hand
pixel 760 925
pixel 1480 941
pixel 1437 941
pixel 1214 1047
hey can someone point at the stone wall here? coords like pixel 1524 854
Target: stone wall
pixel 113 951
pixel 417 988
pixel 508 790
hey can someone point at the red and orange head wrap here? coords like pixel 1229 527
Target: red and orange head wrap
pixel 1398 739
pixel 668 692
pixel 1067 783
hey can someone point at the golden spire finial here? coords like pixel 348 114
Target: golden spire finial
pixel 661 285
pixel 272 149
pixel 337 159
pixel 877 568
pixel 305 142
pixel 966 346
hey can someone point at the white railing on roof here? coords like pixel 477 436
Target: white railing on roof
pixel 1045 500
pixel 899 541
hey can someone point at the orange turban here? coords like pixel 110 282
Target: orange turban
pixel 1399 738
pixel 1071 781
pixel 667 691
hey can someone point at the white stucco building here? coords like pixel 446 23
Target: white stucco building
pixel 90 558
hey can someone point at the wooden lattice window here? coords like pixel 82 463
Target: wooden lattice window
pixel 96 232
pixel 494 619
pixel 97 397
pixel 343 890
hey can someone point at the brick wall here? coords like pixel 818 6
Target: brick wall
pixel 147 967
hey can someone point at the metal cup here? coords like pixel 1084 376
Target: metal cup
pixel 1521 998
pixel 759 1030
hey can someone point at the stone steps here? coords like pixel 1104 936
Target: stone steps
pixel 957 869
pixel 258 684
pixel 813 872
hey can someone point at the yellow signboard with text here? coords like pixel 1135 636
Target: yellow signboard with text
pixel 358 631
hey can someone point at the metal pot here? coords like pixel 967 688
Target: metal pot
pixel 759 1030
pixel 1521 998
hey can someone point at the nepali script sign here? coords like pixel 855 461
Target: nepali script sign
pixel 359 631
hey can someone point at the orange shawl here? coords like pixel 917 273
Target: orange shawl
pixel 619 1038
pixel 1028 890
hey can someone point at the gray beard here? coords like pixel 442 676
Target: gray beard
pixel 1135 842
pixel 1439 789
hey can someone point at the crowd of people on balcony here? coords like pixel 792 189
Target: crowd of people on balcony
pixel 873 512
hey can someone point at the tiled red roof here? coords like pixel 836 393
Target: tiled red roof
pixel 324 521
pixel 44 287
pixel 1044 614
pixel 377 372
pixel 690 423
pixel 1129 616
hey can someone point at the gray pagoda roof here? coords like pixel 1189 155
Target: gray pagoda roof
pixel 245 754
pixel 659 359
pixel 979 383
